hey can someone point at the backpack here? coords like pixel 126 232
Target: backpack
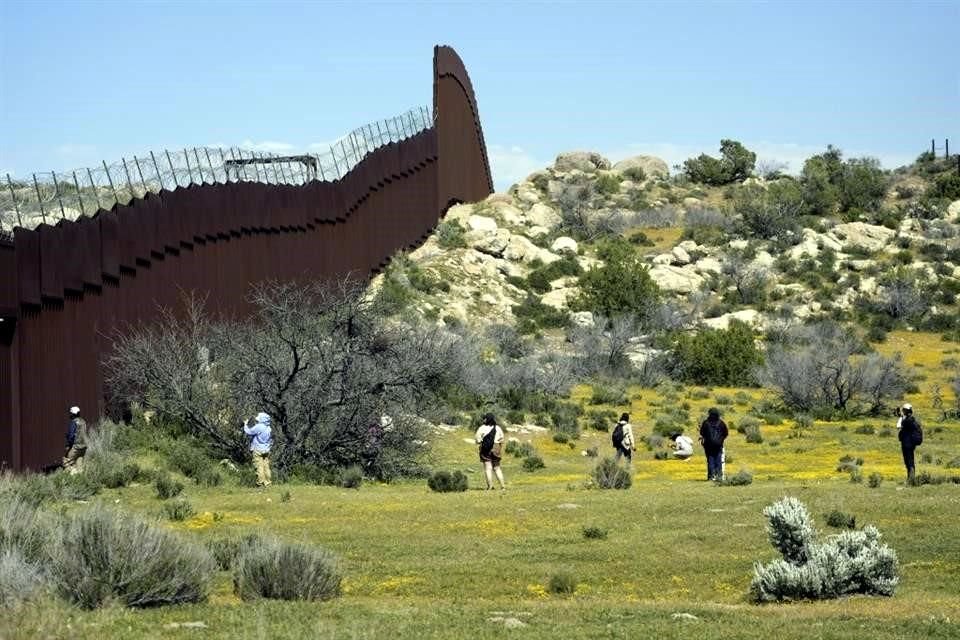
pixel 486 443
pixel 916 432
pixel 713 436
pixel 617 435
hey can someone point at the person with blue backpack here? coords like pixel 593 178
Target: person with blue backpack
pixel 713 433
pixel 622 439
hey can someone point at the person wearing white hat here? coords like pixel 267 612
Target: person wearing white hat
pixel 910 436
pixel 261 439
pixel 76 445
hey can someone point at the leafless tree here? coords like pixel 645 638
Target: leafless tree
pixel 905 293
pixel 748 279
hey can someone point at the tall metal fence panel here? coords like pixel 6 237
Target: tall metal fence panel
pixel 48 197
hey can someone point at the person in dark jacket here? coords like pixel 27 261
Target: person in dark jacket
pixel 76 442
pixel 713 432
pixel 910 437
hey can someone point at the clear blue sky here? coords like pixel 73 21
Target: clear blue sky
pixel 85 81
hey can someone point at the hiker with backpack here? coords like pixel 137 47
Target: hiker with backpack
pixel 910 436
pixel 622 439
pixel 489 437
pixel 713 433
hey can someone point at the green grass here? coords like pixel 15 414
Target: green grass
pixel 420 564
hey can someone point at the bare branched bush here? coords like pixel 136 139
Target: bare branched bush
pixel 822 366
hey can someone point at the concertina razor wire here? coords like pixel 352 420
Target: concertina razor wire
pixel 48 197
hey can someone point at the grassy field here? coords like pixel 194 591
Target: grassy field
pixel 418 564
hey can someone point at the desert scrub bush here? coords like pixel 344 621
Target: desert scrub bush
pixel 447 482
pixel 350 477
pixel 865 429
pixel 285 571
pixel 76 487
pixel 600 420
pixel 595 533
pixel 113 473
pixel 752 433
pixel 698 393
pixel 178 510
pixel 562 583
pixel 723 357
pixel 739 479
pixel 607 394
pixel 25 529
pixel 166 487
pixel 847 563
pixel 208 477
pixel 636 174
pixel 33 488
pixel 450 234
pixel 519 449
pixel 20 579
pixel 101 555
pixel 533 462
pixel 840 519
pixel 561 438
pixel 874 480
pixel 226 550
pixel 745 424
pixel 187 457
pixel 661 455
pixel 609 475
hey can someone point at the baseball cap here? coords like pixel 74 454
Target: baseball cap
pixel 907 406
pixel 74 411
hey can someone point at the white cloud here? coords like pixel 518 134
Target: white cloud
pixel 510 165
pixel 268 146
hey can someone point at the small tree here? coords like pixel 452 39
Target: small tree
pixel 726 357
pixel 622 285
pixel 736 164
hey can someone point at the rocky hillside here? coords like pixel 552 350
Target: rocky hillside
pixel 520 254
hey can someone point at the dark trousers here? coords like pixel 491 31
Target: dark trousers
pixel 908 460
pixel 714 464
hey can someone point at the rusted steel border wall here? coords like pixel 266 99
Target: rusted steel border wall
pixel 66 289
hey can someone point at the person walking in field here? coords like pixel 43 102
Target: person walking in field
pixel 489 439
pixel 682 446
pixel 713 433
pixel 911 437
pixel 261 440
pixel 622 439
pixel 76 445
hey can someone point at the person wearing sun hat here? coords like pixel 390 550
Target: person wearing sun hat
pixel 76 444
pixel 910 436
pixel 261 439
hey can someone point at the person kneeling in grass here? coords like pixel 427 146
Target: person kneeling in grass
pixel 682 446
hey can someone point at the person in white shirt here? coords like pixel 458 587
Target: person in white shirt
pixel 682 446
pixel 622 437
pixel 489 438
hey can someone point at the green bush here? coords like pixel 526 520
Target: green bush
pixel 562 583
pixel 519 449
pixel 609 475
pixel 533 462
pixel 76 487
pixel 736 163
pixel 450 234
pixel 595 533
pixel 446 482
pixel 533 315
pixel 226 550
pixel 601 420
pixel 636 174
pixel 721 357
pixel 188 458
pixel 947 186
pixel 104 556
pixel 285 571
pixel 166 487
pixel 621 285
pixel 874 480
pixel 739 479
pixel 605 394
pixel 208 477
pixel 350 477
pixel 865 429
pixel 841 520
pixel 25 529
pixel 753 435
pixel 608 183
pixel 178 510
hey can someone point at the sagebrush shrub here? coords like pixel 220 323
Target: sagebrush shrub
pixel 166 487
pixel 595 533
pixel 178 510
pixel 226 550
pixel 562 583
pixel 841 520
pixel 609 475
pixel 874 480
pixel 533 462
pixel 350 477
pixel 20 580
pixel 753 434
pixel 25 529
pixel 850 562
pixel 285 571
pixel 187 458
pixel 113 472
pixel 739 479
pixel 446 482
pixel 102 555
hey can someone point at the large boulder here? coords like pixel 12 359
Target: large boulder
pixel 586 161
pixel 751 317
pixel 676 279
pixel 482 224
pixel 563 244
pixel 543 216
pixel 860 234
pixel 953 211
pixel 651 165
pixel 492 243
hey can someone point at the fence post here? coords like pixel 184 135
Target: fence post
pixel 189 169
pixel 13 194
pixel 196 155
pixel 156 168
pixel 56 190
pixel 933 148
pixel 140 171
pixel 129 181
pixel 256 167
pixel 333 156
pixel 113 188
pixel 946 144
pixel 176 182
pixel 283 173
pixel 426 116
pixel 36 185
pixel 223 163
pixel 213 172
pixel 96 191
pixel 76 183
